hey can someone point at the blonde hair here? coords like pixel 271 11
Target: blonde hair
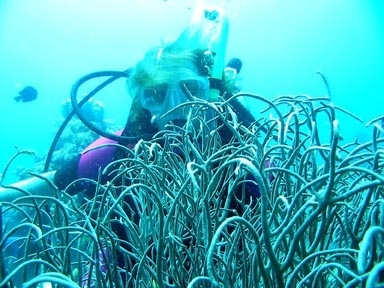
pixel 162 64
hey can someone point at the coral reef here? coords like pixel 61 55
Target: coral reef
pixel 74 139
pixel 318 221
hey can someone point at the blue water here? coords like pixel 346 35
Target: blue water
pixel 50 43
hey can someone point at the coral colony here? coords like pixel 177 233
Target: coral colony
pixel 318 220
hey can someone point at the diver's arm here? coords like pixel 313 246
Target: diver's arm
pixel 86 165
pixel 41 186
pixel 67 173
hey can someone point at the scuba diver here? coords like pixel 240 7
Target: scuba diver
pixel 191 67
pixel 166 77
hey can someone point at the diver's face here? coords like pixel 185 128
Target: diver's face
pixel 162 97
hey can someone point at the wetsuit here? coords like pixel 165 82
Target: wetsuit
pixel 88 164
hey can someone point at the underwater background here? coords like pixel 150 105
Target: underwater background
pixel 50 44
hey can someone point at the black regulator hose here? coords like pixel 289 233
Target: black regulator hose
pixel 76 106
pixel 114 75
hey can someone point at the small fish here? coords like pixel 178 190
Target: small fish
pixel 27 94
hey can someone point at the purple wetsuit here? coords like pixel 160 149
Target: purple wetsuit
pixel 92 159
pixel 87 164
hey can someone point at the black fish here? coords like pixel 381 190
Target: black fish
pixel 27 94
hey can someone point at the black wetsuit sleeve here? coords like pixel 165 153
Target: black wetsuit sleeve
pixel 67 173
pixel 243 114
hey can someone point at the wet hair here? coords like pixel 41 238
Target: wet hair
pixel 159 65
pixel 162 64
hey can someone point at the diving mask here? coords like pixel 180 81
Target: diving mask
pixel 160 98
